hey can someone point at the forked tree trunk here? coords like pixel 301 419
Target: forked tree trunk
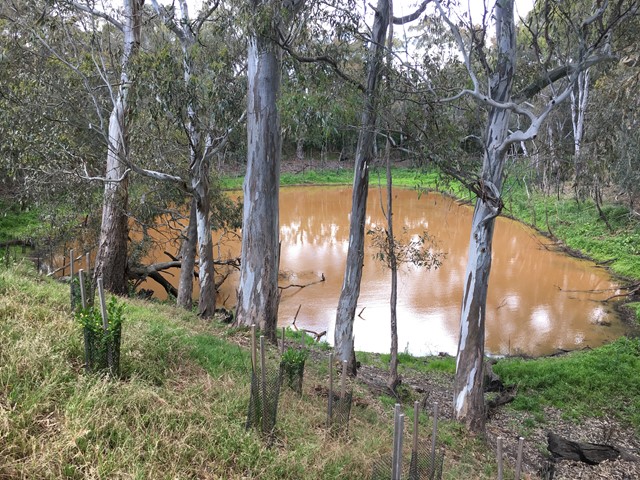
pixel 111 257
pixel 364 153
pixel 200 160
pixel 258 295
pixel 468 388
pixel 188 258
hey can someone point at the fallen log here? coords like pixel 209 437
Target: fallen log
pixel 590 453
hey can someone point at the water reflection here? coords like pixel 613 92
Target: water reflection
pixel 536 299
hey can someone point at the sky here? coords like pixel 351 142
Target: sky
pixel 404 7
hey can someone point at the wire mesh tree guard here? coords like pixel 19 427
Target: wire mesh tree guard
pixel 424 462
pixel 338 405
pixel 265 392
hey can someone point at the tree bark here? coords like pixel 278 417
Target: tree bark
pixel 579 101
pixel 111 257
pixel 188 259
pixel 468 389
pixel 258 295
pixel 394 378
pixel 200 159
pixel 364 153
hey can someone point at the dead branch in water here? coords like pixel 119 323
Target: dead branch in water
pixel 301 286
pixel 317 335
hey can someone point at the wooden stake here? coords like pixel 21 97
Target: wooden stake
pixel 88 260
pixel 253 348
pixel 343 380
pixel 263 384
pixel 71 259
pixel 434 437
pixel 103 306
pixel 282 341
pixel 398 427
pixel 330 403
pixel 83 294
pixel 302 339
pixel 83 299
pixel 416 414
pixel 519 458
pixel 500 477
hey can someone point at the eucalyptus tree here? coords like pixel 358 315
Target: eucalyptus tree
pixel 202 147
pixel 258 295
pixel 111 255
pixel 46 114
pixel 350 291
pixel 497 96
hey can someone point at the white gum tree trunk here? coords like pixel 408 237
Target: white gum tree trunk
pixel 350 291
pixel 188 259
pixel 111 257
pixel 579 102
pixel 258 295
pixel 468 388
pixel 468 398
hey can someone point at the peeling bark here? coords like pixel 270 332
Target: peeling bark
pixel 111 257
pixel 184 298
pixel 258 294
pixel 468 384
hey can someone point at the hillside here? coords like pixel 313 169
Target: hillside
pixel 180 406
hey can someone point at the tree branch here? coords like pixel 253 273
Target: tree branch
pixel 323 59
pixel 412 16
pixel 97 13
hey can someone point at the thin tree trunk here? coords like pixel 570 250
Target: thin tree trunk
pixel 188 258
pixel 258 295
pixel 394 379
pixel 364 152
pixel 111 257
pixel 579 101
pixel 200 160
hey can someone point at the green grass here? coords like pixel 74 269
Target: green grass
pixel 406 361
pixel 402 177
pixel 587 383
pixel 580 227
pixel 179 408
pixel 17 224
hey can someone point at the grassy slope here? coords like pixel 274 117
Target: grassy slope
pixel 180 409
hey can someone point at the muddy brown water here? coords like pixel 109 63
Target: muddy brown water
pixel 539 300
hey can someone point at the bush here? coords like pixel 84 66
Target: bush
pixel 102 345
pixel 293 361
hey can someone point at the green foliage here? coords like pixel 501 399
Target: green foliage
pixel 294 358
pixel 102 342
pixel 595 382
pixel 16 223
pixel 91 317
pixel 418 250
pixel 292 363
